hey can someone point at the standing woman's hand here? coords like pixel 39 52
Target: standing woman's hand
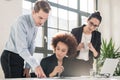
pixel 91 48
pixel 80 46
pixel 39 72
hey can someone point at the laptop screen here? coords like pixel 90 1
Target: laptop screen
pixel 109 66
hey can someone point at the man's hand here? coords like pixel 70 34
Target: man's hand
pixel 26 72
pixel 39 72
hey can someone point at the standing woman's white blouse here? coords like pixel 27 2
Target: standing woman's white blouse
pixel 84 52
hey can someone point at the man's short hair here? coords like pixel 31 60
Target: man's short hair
pixel 44 5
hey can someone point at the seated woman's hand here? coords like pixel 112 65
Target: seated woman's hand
pixel 57 69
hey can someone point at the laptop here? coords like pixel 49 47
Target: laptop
pixel 109 66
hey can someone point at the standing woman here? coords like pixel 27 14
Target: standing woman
pixel 89 42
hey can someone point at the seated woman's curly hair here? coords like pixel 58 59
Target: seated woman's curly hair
pixel 69 40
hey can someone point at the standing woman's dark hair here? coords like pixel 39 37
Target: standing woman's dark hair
pixel 95 15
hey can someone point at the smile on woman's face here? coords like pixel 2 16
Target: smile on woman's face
pixel 61 50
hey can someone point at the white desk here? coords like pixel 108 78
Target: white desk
pixel 67 78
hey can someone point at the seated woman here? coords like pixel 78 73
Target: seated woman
pixel 64 45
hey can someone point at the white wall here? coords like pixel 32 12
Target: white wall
pixel 110 26
pixel 9 10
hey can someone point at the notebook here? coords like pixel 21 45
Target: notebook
pixel 109 66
